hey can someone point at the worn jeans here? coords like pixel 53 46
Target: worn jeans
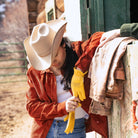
pixel 58 127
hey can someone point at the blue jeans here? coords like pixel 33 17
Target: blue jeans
pixel 58 127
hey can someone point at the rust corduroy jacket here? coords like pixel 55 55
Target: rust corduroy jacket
pixel 42 98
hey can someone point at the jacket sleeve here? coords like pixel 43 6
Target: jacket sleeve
pixel 88 47
pixel 39 105
pixel 129 29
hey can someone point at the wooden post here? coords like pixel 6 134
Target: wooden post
pixel 120 121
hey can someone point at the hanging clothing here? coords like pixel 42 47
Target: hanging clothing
pixel 107 75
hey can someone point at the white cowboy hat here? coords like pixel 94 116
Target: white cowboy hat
pixel 41 47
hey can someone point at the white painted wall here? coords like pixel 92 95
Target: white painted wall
pixel 93 135
pixel 72 14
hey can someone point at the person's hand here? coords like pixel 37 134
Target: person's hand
pixel 110 35
pixel 77 84
pixel 72 103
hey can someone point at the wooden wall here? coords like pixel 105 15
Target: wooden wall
pixel 37 14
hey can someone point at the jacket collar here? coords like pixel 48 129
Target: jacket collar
pixel 46 71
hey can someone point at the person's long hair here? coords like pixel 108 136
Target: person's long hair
pixel 71 59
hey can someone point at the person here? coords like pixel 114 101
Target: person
pixel 126 30
pixel 55 61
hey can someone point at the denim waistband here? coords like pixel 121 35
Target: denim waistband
pixel 62 121
pixel 58 127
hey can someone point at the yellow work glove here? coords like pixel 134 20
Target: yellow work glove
pixel 77 84
pixel 71 122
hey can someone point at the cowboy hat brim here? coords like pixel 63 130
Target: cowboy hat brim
pixel 43 63
pixel 39 63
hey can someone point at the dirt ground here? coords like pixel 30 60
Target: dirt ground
pixel 14 120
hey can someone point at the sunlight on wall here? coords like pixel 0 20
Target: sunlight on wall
pixel 72 13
